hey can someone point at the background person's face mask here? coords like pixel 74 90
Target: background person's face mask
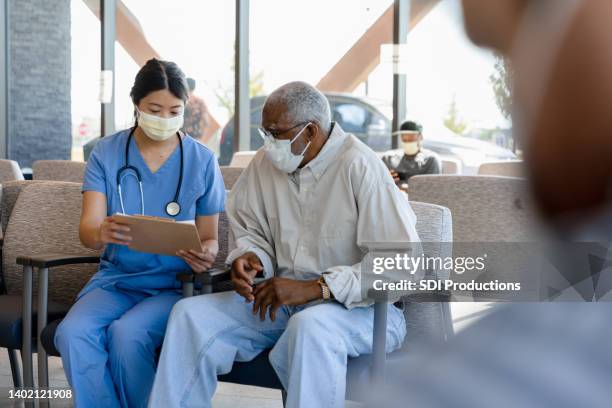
pixel 158 128
pixel 280 154
pixel 411 148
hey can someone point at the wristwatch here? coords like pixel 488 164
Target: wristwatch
pixel 325 292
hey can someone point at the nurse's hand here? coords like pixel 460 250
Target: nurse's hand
pixel 112 232
pixel 198 261
pixel 244 270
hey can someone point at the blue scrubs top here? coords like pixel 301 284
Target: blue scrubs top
pixel 202 193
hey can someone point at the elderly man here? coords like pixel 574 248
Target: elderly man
pixel 300 213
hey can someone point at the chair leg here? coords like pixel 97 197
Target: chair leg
pixel 15 370
pixel 187 289
pixel 379 341
pixel 26 335
pixel 447 320
pixel 284 394
pixel 43 283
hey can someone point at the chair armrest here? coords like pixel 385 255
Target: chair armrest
pixel 379 295
pixel 210 277
pixel 204 281
pixel 52 260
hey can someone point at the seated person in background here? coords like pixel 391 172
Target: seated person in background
pixel 411 159
pixel 300 213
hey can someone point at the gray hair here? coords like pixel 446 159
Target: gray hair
pixel 303 103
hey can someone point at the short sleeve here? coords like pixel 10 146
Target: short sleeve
pixel 95 176
pixel 213 199
pixel 435 165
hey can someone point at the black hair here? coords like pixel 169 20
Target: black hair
pixel 191 83
pixel 156 75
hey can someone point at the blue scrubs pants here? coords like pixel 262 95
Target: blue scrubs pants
pixel 108 344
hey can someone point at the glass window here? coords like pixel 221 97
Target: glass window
pixel 198 36
pixel 85 76
pixel 351 117
pixel 311 56
pixel 449 87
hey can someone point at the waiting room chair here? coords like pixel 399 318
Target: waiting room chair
pixel 42 225
pixel 59 170
pixel 10 171
pixel 510 168
pixel 230 175
pixel 242 159
pixel 426 322
pixel 42 261
pixel 89 146
pixel 484 208
pixel 451 166
pixel 9 191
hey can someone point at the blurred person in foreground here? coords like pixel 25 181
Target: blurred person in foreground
pixel 553 354
pixel 412 159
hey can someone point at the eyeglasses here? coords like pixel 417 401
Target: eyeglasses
pixel 275 133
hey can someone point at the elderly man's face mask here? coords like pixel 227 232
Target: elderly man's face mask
pixel 279 152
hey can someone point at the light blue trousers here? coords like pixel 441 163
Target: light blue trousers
pixel 310 347
pixel 108 345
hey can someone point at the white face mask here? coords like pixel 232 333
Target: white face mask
pixel 411 148
pixel 158 128
pixel 280 154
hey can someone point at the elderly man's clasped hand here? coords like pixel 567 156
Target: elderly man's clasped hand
pixel 273 293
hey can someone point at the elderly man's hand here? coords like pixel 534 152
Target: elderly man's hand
pixel 244 270
pixel 276 292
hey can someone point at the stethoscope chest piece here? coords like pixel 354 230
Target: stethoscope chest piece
pixel 173 208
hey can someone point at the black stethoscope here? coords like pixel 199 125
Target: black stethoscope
pixel 173 208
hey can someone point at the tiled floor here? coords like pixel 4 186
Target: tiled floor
pixel 228 395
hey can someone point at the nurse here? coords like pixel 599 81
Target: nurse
pixel 110 337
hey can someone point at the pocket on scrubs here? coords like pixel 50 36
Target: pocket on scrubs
pixel 188 199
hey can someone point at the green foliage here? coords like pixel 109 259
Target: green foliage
pixel 225 94
pixel 453 121
pixel 501 81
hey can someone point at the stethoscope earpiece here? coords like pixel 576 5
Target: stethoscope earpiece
pixel 172 208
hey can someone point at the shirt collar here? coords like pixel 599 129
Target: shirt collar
pixel 327 155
